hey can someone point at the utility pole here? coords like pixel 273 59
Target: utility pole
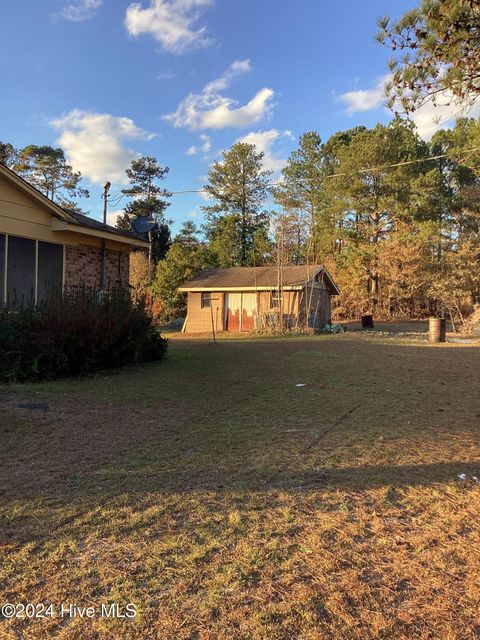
pixel 106 189
pixel 280 258
pixel 150 259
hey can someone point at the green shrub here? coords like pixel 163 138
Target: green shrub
pixel 76 336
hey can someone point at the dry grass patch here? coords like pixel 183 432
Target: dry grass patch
pixel 227 503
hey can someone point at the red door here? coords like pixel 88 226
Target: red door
pixel 240 311
pixel 249 311
pixel 233 305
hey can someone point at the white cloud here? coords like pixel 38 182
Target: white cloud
pixel 112 217
pixel 170 22
pixel 204 147
pixel 94 144
pixel 166 75
pixel 429 118
pixel 80 10
pixel 265 141
pixel 212 110
pixel 206 143
pixel 204 195
pixel 237 68
pixel 216 112
pixel 365 99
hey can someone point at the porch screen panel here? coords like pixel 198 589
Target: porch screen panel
pixel 2 268
pixel 20 271
pixel 50 270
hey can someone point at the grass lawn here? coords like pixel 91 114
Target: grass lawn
pixel 227 503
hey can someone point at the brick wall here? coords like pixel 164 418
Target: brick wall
pixel 83 266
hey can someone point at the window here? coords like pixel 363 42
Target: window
pixel 20 271
pixel 206 300
pixel 2 269
pixel 34 270
pixel 275 299
pixel 50 270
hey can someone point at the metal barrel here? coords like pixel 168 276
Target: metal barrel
pixel 437 329
pixel 367 322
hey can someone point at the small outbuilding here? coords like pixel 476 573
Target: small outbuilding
pixel 251 298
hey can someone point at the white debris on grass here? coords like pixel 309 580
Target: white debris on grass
pixel 463 476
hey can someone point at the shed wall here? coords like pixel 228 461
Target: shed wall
pixel 315 302
pixel 296 304
pixel 269 315
pixel 200 320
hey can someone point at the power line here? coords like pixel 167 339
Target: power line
pixel 389 166
pixel 114 202
pixel 398 164
pixel 341 175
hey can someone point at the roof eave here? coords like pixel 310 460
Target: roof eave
pixel 296 287
pixel 191 287
pixel 336 290
pixel 58 225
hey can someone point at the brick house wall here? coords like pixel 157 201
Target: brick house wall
pixel 83 267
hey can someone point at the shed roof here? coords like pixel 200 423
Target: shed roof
pixel 257 278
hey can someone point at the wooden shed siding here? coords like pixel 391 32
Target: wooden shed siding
pixel 295 307
pixel 316 299
pixel 200 320
pixel 290 305
pixel 290 301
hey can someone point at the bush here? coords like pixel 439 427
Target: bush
pixel 76 336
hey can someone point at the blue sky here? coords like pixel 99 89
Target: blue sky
pixel 183 79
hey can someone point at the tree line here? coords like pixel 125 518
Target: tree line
pixel 395 219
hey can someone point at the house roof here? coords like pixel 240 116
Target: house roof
pixel 257 278
pixel 91 223
pixel 67 220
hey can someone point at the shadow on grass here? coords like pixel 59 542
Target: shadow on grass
pixel 238 403
pixel 38 514
pixel 350 478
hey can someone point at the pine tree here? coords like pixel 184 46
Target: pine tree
pixel 301 192
pixel 46 169
pixel 8 154
pixel 437 49
pixel 372 200
pixel 148 200
pixel 239 186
